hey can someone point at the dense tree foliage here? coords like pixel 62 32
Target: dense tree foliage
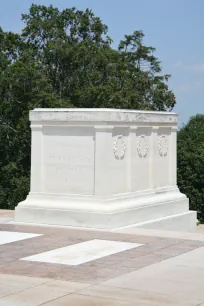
pixel 65 59
pixel 191 163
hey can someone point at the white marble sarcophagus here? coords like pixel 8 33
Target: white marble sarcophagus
pixel 105 168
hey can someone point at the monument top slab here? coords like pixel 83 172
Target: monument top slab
pixel 102 114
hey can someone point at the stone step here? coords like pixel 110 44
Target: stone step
pixel 179 222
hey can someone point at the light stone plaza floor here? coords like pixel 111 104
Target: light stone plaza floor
pixel 55 266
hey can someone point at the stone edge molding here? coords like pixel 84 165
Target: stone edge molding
pixel 107 115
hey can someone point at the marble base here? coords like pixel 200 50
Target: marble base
pixel 184 222
pixel 163 211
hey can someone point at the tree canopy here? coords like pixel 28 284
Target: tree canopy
pixel 191 163
pixel 65 59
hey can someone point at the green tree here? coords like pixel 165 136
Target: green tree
pixel 65 59
pixel 191 163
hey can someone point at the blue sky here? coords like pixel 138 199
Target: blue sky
pixel 174 27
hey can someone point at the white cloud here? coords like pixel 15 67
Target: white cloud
pixel 199 85
pixel 178 64
pixel 191 87
pixel 185 87
pixel 195 67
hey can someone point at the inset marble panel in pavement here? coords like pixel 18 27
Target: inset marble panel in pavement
pixel 94 270
pixel 83 252
pixel 8 237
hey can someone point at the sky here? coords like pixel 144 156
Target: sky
pixel 174 27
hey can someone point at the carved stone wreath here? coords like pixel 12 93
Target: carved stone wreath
pixel 142 146
pixel 163 145
pixel 119 146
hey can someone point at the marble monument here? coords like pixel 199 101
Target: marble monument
pixel 106 169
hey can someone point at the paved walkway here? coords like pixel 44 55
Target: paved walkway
pixel 55 266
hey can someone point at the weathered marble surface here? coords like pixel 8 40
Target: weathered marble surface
pixel 105 168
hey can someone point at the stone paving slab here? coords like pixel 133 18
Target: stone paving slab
pixel 153 250
pixel 40 294
pixel 6 213
pixel 136 297
pixel 150 274
pixel 10 284
pixel 83 300
pixel 176 277
pixel 197 236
